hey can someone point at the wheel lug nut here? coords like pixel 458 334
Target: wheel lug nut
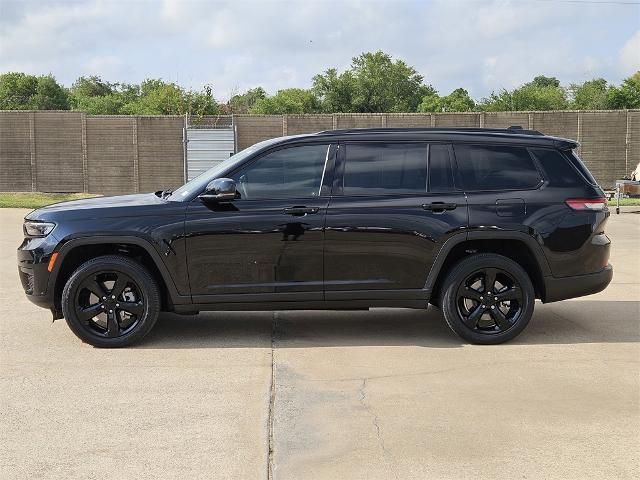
pixel 117 304
pixel 104 298
pixel 495 298
pixel 113 296
pixel 111 311
pixel 492 307
pixel 481 298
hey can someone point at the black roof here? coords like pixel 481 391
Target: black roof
pixel 511 130
pixel 515 135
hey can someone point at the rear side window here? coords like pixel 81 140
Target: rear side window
pixel 440 172
pixel 557 167
pixel 575 160
pixel 492 167
pixel 380 169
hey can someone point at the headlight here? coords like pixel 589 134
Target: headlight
pixel 38 229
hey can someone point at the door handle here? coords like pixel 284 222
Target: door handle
pixel 439 207
pixel 300 211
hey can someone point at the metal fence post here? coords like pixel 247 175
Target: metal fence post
pixel 136 156
pixel 184 147
pixel 235 133
pixel 627 144
pixel 32 151
pixel 85 160
pixel 579 139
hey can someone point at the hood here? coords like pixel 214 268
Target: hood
pixel 102 207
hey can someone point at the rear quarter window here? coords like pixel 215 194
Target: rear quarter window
pixel 557 168
pixel 576 162
pixel 496 167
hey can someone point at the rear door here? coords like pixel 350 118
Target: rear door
pixel 501 183
pixel 392 207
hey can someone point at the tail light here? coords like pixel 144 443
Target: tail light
pixel 593 204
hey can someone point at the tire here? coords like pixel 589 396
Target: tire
pixel 116 288
pixel 487 299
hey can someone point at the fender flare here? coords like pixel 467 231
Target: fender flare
pixel 461 237
pixel 73 243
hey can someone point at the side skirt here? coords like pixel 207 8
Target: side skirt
pixel 301 305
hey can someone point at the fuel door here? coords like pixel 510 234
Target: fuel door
pixel 511 207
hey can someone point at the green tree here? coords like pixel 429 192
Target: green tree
pixel 242 103
pixel 374 83
pixel 543 93
pixel 156 97
pixel 335 91
pixel 19 91
pixel 95 96
pixel 457 101
pixel 590 95
pixel 290 100
pixel 92 86
pixel 542 81
pixel 626 95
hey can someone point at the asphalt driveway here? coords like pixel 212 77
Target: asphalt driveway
pixel 304 395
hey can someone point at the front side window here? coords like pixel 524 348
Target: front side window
pixel 294 172
pixel 382 169
pixel 492 167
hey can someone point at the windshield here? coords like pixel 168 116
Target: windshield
pixel 198 184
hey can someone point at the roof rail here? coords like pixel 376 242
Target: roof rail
pixel 514 129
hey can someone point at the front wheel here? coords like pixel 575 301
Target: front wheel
pixel 488 299
pixel 111 301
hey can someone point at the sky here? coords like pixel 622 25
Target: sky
pixel 481 45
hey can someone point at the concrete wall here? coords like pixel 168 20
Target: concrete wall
pixel 75 152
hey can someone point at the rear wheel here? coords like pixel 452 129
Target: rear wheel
pixel 111 301
pixel 488 299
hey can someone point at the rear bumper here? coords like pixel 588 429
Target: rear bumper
pixel 577 286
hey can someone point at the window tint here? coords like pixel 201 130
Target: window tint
pixel 558 169
pixel 575 160
pixel 440 173
pixel 290 172
pixel 496 167
pixel 378 169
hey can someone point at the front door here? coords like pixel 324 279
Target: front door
pixel 394 206
pixel 267 244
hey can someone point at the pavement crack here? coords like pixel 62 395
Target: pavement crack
pixel 272 397
pixel 375 421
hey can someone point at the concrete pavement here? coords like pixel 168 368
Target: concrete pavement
pixel 305 395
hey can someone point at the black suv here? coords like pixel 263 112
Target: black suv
pixel 478 222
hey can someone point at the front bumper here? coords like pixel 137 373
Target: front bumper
pixel 33 259
pixel 561 288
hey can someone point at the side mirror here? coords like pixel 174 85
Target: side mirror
pixel 220 189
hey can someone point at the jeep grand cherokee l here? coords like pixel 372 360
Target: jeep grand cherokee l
pixel 478 222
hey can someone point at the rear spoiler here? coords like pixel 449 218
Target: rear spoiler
pixel 566 143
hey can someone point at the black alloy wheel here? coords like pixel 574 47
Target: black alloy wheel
pixel 487 298
pixel 111 301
